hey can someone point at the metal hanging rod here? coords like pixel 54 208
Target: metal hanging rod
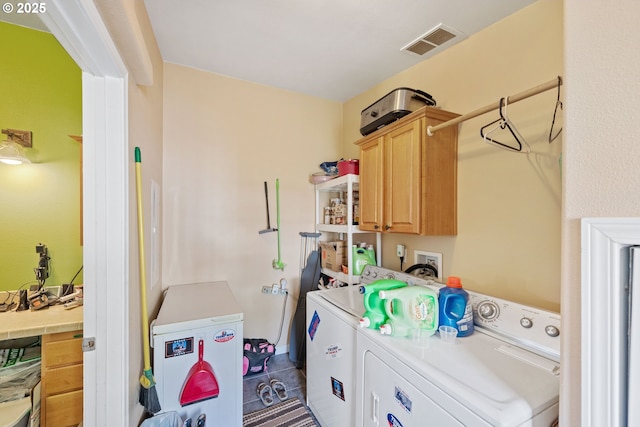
pixel 551 84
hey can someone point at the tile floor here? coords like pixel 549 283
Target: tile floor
pixel 280 368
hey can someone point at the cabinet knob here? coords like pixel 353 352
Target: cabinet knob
pixel 387 227
pixel 376 226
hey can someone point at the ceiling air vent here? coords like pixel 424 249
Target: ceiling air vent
pixel 432 39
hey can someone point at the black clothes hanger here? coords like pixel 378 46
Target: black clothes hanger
pixel 552 137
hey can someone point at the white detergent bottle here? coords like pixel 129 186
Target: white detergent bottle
pixel 408 308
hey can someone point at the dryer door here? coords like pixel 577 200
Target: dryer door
pixel 391 400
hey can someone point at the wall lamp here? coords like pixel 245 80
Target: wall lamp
pixel 12 149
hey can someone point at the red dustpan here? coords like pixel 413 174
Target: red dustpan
pixel 201 383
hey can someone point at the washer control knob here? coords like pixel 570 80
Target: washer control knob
pixel 488 310
pixel 552 331
pixel 526 323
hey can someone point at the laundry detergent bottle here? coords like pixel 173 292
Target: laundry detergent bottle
pixel 455 308
pixel 374 315
pixel 409 308
pixel 361 259
pixel 372 255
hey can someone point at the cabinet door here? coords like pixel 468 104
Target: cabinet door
pixel 402 162
pixel 371 185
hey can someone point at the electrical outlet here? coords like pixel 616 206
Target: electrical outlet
pixel 433 259
pixel 273 290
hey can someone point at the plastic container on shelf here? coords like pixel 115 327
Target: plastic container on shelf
pixel 455 308
pixel 412 307
pixel 361 259
pixel 372 255
pixel 375 316
pixel 351 166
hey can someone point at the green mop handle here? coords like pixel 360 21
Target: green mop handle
pixel 278 214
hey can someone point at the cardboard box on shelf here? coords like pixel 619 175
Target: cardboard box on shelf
pixel 334 254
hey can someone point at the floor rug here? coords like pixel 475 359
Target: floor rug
pixel 290 413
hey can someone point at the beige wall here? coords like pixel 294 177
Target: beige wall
pixel 145 131
pixel 601 173
pixel 508 241
pixel 223 138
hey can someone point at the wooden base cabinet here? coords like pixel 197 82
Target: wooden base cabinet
pixel 408 180
pixel 61 385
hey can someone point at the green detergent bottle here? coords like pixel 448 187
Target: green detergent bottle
pixel 361 259
pixel 372 255
pixel 409 308
pixel 375 316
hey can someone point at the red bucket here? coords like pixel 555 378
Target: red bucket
pixel 348 166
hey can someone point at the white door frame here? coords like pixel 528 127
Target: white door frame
pixel 78 26
pixel 604 274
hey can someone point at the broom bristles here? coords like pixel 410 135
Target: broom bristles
pixel 148 394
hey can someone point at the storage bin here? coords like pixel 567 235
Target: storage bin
pixel 346 167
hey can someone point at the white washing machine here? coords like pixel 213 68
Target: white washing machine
pixel 332 324
pixel 505 374
pixel 332 320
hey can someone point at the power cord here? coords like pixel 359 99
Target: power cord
pixel 42 270
pixel 283 286
pixel 401 251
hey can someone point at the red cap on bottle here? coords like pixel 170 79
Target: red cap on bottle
pixel 454 282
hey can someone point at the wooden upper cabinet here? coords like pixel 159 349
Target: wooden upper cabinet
pixel 408 179
pixel 371 154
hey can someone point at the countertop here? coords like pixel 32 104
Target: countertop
pixel 50 320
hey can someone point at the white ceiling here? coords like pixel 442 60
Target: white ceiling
pixel 332 49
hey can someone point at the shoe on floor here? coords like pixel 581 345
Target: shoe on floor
pixel 280 389
pixel 265 393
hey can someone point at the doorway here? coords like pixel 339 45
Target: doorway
pixel 80 30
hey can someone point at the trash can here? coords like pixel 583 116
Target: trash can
pixel 166 419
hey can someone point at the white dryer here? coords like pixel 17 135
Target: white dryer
pixel 505 374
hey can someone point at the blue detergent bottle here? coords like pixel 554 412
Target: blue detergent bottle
pixel 374 316
pixel 409 308
pixel 455 308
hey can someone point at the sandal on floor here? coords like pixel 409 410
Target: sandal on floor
pixel 279 388
pixel 265 394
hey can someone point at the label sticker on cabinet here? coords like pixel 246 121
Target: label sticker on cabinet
pixel 178 347
pixel 224 335
pixel 403 399
pixel 393 421
pixel 333 351
pixel 338 388
pixel 313 325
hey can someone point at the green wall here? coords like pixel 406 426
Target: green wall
pixel 40 91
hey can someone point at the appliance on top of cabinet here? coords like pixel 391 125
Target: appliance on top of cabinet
pixel 394 105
